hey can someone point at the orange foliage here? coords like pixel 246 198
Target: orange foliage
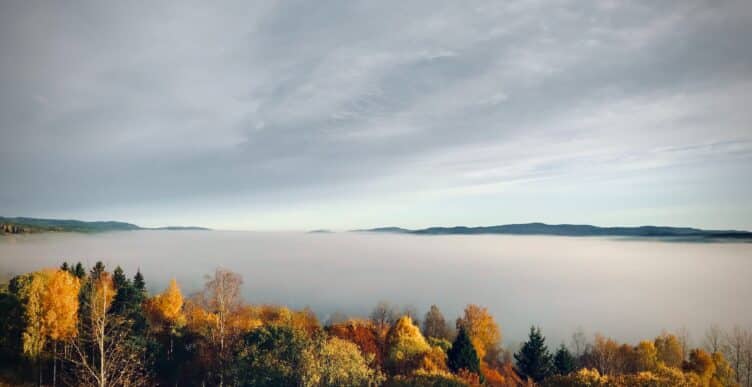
pixel 363 334
pixel 60 304
pixel 166 309
pixel 483 330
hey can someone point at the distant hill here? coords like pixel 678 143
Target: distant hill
pixel 576 230
pixel 35 225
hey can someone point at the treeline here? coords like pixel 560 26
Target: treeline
pixel 72 326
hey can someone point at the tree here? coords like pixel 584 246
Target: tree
pixel 533 359
pixel 738 351
pixel 713 341
pixel 30 290
pixel 462 355
pixel 79 271
pixel 405 346
pixel 138 283
pixel 60 306
pixel 363 334
pixel 434 324
pixel 102 353
pixel 483 330
pixel 165 310
pixel 165 313
pixel 646 356
pixel 563 361
pixel 213 311
pixel 670 350
pixel 338 363
pixel 272 355
pixel 384 314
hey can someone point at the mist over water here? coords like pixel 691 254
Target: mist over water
pixel 627 289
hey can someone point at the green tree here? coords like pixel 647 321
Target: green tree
pixel 79 271
pixel 563 361
pixel 462 355
pixel 272 355
pixel 533 359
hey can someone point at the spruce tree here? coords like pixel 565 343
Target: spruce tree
pixel 65 267
pixel 97 270
pixel 563 361
pixel 462 355
pixel 79 271
pixel 533 359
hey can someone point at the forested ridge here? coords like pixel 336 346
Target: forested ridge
pixel 92 327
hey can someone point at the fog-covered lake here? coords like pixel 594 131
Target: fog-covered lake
pixel 627 289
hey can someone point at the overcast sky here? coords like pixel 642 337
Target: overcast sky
pixel 324 114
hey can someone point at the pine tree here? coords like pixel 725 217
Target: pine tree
pixel 462 355
pixel 139 284
pixel 123 292
pixel 97 270
pixel 563 361
pixel 79 271
pixel 533 359
pixel 65 267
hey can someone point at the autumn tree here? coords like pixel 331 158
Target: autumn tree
pixel 405 346
pixel 434 324
pixel 337 362
pixel 165 313
pixel 361 333
pixel 462 354
pixel 30 289
pixel 670 350
pixel 483 330
pixel 211 313
pixel 533 359
pixel 646 356
pixel 60 306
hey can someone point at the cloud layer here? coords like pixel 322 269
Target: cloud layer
pixel 342 114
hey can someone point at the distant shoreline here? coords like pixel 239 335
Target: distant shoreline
pixel 577 230
pixel 22 225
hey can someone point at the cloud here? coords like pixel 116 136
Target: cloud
pixel 138 105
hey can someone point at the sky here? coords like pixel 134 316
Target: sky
pixel 284 115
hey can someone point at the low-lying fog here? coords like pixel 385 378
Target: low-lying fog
pixel 627 289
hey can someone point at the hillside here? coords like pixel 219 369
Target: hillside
pixel 577 230
pixel 21 225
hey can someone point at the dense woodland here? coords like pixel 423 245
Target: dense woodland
pixel 72 326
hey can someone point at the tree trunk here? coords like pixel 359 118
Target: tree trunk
pixel 54 364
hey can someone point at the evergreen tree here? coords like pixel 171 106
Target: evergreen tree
pixel 563 361
pixel 139 284
pixel 79 271
pixel 97 270
pixel 462 355
pixel 122 304
pixel 533 359
pixel 65 267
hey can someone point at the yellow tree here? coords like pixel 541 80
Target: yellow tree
pixel 483 330
pixel 165 312
pixel 30 290
pixel 60 308
pixel 405 345
pixel 670 350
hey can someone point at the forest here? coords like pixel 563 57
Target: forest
pixel 93 327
